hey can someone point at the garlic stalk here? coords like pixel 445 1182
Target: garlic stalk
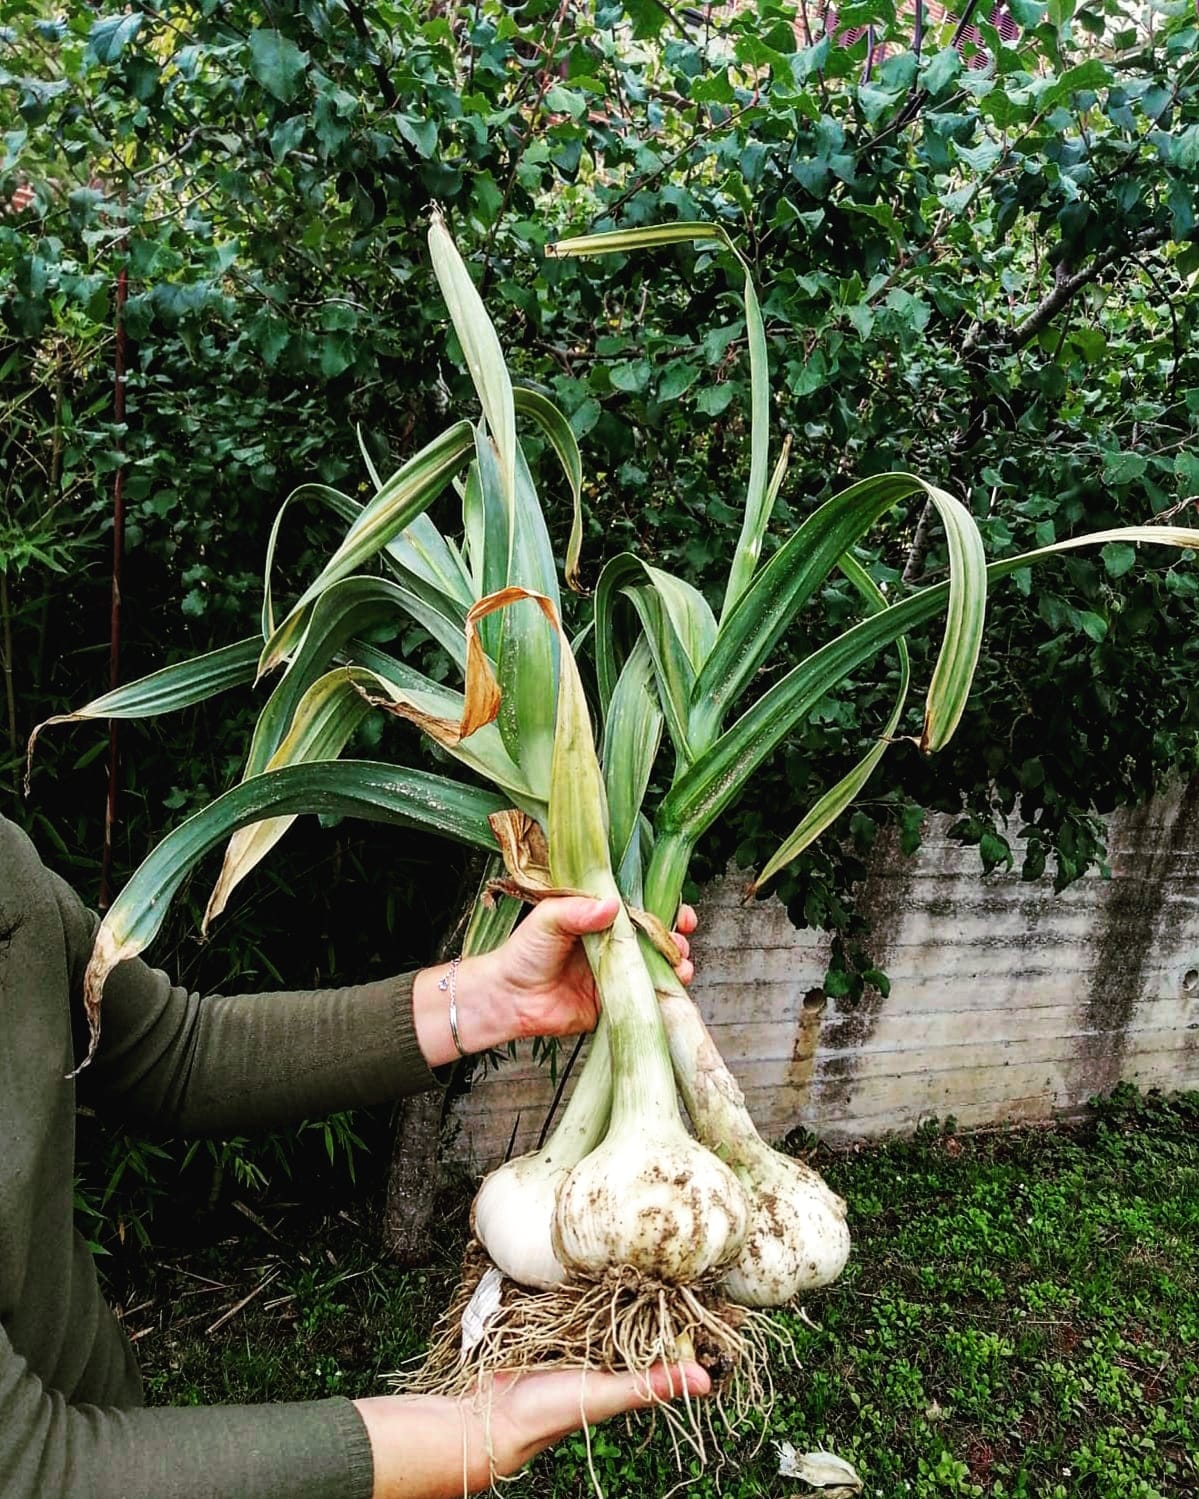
pixel 649 1196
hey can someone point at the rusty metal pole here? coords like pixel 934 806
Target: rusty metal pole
pixel 118 553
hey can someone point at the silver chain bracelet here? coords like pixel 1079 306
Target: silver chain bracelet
pixel 447 982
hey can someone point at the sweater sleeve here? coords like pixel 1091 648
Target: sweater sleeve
pixel 228 1064
pixel 316 1449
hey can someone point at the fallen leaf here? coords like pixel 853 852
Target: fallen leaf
pixel 831 1476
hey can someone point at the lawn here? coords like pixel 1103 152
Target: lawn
pixel 1020 1317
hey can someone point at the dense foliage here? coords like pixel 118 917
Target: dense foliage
pixel 980 273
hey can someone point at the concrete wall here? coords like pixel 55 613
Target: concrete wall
pixel 1007 1002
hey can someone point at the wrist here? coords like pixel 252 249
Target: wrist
pixel 423 1447
pixel 478 1005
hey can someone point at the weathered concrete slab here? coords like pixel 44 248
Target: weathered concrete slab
pixel 1007 1002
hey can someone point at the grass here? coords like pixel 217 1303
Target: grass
pixel 1020 1320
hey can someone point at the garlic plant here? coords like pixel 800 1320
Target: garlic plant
pixel 644 1231
pixel 798 1238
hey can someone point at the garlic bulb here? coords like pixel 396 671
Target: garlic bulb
pixel 513 1211
pixel 669 1209
pixel 797 1237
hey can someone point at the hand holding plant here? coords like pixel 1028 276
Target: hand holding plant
pixel 538 983
pixel 431 1447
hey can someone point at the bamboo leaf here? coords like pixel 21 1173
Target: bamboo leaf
pixel 760 493
pixel 840 796
pixel 443 715
pixel 649 237
pixel 679 627
pixel 346 608
pixel 578 806
pixel 420 548
pixel 366 458
pixel 419 552
pixel 354 788
pixel 492 918
pixel 632 734
pixel 717 777
pixel 759 498
pixel 965 612
pixel 526 659
pixel 782 588
pixel 325 719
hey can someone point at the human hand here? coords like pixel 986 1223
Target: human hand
pixel 425 1447
pixel 537 983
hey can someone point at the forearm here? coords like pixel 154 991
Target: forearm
pixel 257 1062
pixel 315 1450
pixel 486 1012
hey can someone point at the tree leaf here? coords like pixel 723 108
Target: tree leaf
pixel 277 63
pixel 110 35
pixel 1118 558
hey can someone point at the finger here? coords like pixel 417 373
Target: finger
pixel 565 1396
pixel 606 1395
pixel 573 915
pixel 686 920
pixel 682 944
pixel 685 971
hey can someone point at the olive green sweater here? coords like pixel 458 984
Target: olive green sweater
pixel 72 1425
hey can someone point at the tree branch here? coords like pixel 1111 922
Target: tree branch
pixel 1066 287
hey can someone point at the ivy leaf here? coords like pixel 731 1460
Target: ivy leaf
pixel 1093 625
pixel 1186 466
pixel 677 378
pixel 862 318
pixel 1123 468
pixel 1119 557
pixel 420 134
pixel 646 16
pixel 277 64
pixel 994 850
pixel 1090 343
pixel 808 376
pixel 585 416
pixel 632 376
pixel 110 35
pixel 875 102
pixel 336 354
pixel 981 157
pixel 565 101
pixel 1027 13
pixel 714 398
pixel 810 60
pixel 942 70
pixel 1185 153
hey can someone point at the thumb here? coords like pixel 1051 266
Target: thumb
pixel 572 915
